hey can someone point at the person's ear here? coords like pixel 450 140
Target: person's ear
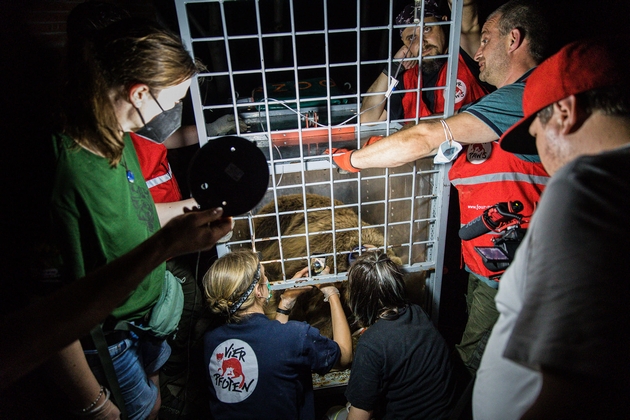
pixel 138 93
pixel 516 39
pixel 260 294
pixel 570 115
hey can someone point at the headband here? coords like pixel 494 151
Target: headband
pixel 235 307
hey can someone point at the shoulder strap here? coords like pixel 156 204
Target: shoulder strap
pixel 108 368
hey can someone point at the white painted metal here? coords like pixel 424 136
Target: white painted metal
pixel 408 205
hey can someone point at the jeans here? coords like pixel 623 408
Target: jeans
pixel 134 360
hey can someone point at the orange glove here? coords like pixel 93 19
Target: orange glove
pixel 342 160
pixel 372 140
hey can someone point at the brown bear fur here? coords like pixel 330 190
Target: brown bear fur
pixel 310 306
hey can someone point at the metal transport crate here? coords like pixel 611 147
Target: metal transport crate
pixel 296 72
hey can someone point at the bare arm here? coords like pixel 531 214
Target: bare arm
pixel 56 321
pixel 420 141
pixel 358 414
pixel 72 374
pixel 288 297
pixel 185 136
pixel 373 107
pixel 341 330
pixel 166 211
pixel 470 37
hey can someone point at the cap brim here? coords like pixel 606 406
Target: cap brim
pixel 517 138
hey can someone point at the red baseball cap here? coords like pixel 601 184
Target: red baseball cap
pixel 576 68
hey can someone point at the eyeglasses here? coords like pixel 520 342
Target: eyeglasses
pixel 449 149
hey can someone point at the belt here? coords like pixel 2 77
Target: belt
pixel 111 338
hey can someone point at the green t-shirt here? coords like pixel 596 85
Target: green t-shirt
pixel 100 215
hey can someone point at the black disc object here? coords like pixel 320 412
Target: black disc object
pixel 229 172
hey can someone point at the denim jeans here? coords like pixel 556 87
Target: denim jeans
pixel 134 360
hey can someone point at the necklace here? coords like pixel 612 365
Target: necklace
pixel 130 176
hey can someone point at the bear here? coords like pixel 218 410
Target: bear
pixel 310 306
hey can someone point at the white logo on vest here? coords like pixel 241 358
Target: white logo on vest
pixel 460 91
pixel 478 153
pixel 233 368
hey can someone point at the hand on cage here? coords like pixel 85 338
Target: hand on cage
pixel 328 291
pixel 341 157
pixel 288 296
pixel 225 125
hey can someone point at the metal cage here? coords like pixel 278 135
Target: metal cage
pixel 296 73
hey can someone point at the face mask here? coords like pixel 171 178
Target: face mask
pixel 163 125
pixel 449 149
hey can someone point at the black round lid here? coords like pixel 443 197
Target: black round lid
pixel 229 172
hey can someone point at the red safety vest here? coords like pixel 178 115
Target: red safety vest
pixel 467 90
pixel 156 170
pixel 484 175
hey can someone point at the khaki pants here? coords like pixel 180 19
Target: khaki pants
pixel 482 315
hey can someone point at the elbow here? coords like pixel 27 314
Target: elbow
pixel 345 359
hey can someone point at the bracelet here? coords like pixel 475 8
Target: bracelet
pixel 283 311
pixel 89 408
pixel 102 406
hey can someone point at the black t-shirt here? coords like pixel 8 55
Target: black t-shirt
pixel 402 369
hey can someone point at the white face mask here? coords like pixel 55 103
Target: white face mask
pixel 449 149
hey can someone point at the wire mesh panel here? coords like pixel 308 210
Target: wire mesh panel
pixel 296 73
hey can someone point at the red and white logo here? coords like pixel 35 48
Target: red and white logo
pixel 233 370
pixel 460 91
pixel 478 153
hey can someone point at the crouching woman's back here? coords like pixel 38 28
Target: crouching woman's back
pixel 257 367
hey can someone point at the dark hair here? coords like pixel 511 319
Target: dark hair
pixel 611 101
pixel 123 54
pixel 375 286
pixel 528 18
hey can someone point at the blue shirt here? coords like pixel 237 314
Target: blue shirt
pixel 261 369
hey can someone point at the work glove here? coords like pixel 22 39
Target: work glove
pixel 225 125
pixel 342 160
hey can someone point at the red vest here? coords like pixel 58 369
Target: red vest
pixel 484 175
pixel 156 170
pixel 467 90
